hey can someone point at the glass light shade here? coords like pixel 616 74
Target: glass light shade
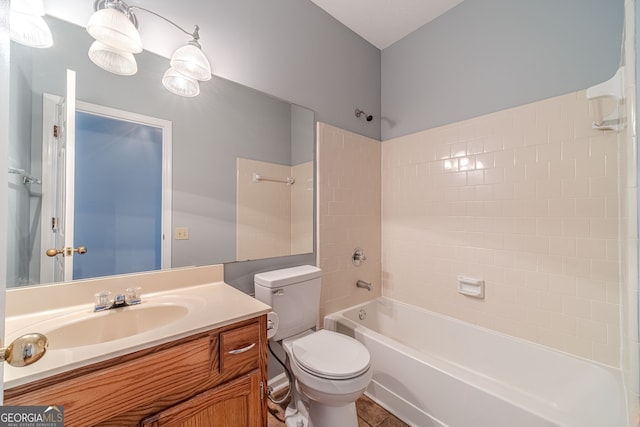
pixel 30 30
pixel 190 61
pixel 180 84
pixel 28 7
pixel 113 28
pixel 113 60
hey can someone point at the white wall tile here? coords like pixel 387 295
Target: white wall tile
pixel 526 198
pixel 349 203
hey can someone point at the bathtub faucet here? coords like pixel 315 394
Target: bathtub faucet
pixel 365 285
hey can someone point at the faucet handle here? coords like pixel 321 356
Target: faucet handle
pixel 102 300
pixel 132 295
pixel 358 257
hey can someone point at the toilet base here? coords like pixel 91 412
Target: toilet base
pixel 296 415
pixel 332 416
pixel 294 418
pixel 321 415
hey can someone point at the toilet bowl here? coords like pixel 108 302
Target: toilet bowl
pixel 332 371
pixel 331 368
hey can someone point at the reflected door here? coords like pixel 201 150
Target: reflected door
pixel 58 178
pixel 109 190
pixel 118 196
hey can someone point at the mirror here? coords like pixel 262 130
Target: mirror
pixel 221 140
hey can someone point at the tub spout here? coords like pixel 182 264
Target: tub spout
pixel 362 284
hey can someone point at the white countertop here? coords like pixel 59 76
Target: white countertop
pixel 211 306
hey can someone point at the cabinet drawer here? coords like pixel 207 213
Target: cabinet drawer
pixel 240 349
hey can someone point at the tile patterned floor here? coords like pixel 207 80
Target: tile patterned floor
pixel 369 415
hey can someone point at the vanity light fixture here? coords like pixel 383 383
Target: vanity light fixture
pixel 113 60
pixel 178 83
pixel 114 26
pixel 27 25
pixel 190 60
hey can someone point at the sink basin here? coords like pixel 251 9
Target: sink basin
pixel 111 325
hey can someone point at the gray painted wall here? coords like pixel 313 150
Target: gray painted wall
pixel 294 50
pixel 487 55
pixel 302 135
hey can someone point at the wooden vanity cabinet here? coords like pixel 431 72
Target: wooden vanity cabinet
pixel 231 404
pixel 211 379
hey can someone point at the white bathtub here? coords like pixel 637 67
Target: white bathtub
pixel 431 370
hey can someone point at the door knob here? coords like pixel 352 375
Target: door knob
pixel 67 251
pixel 25 350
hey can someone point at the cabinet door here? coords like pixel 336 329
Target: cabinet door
pixel 234 404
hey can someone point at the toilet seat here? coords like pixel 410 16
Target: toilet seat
pixel 330 355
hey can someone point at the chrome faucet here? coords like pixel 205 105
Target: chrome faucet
pixel 366 285
pixel 103 300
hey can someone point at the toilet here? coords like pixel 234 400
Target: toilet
pixel 331 370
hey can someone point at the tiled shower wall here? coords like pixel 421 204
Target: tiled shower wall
pixel 526 199
pixel 348 168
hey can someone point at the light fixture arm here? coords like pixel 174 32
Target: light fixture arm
pixel 195 34
pixel 128 11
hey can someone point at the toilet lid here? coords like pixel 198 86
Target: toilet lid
pixel 331 355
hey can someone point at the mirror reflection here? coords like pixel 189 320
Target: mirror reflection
pixel 240 165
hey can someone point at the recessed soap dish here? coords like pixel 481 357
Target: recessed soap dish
pixel 471 286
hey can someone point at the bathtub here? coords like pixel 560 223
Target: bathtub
pixel 431 370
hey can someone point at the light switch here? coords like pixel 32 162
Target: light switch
pixel 182 233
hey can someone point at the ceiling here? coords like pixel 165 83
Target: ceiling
pixel 384 22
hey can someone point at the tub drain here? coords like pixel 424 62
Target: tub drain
pixel 362 314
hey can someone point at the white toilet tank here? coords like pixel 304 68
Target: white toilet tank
pixel 294 294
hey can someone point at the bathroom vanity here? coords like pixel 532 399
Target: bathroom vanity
pixel 208 369
pixel 214 378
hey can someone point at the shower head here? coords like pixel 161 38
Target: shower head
pixel 359 112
